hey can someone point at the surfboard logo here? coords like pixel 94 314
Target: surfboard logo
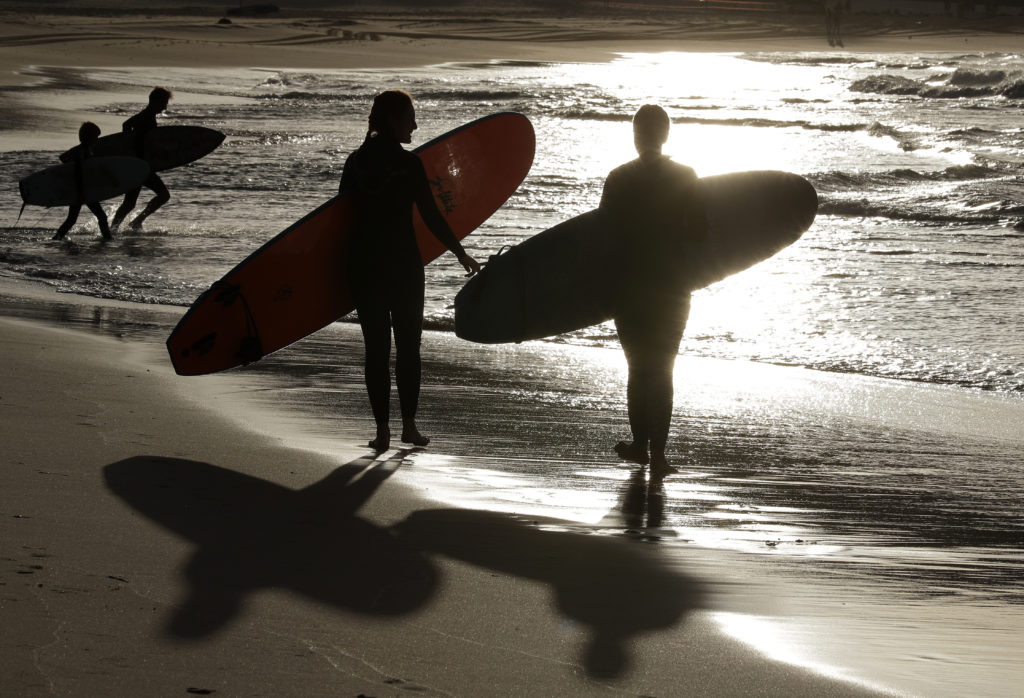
pixel 444 192
pixel 284 294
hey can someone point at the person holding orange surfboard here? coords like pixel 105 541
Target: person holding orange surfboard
pixel 385 266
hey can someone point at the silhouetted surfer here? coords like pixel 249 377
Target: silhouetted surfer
pixel 139 125
pixel 385 265
pixel 653 204
pixel 87 135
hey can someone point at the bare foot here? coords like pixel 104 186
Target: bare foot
pixel 660 467
pixel 415 438
pixel 383 440
pixel 412 435
pixel 632 452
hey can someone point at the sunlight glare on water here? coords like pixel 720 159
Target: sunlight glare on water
pixel 691 87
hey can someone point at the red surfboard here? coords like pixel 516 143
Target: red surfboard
pixel 295 284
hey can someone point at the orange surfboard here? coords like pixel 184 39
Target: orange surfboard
pixel 295 283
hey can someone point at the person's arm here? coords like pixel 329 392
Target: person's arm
pixel 130 124
pixel 347 182
pixel 437 224
pixel 695 211
pixel 609 194
pixel 79 159
pixel 136 126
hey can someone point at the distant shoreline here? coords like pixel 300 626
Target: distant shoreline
pixel 41 106
pixel 395 36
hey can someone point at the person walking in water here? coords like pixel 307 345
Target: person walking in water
pixel 385 268
pixel 87 135
pixel 653 204
pixel 139 125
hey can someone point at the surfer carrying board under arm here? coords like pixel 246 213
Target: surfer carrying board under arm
pixel 139 125
pixel 385 272
pixel 88 132
pixel 653 204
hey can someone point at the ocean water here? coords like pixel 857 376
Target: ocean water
pixel 911 271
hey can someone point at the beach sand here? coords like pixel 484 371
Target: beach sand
pixel 162 538
pixel 162 535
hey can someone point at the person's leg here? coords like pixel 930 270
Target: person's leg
pixel 130 199
pixel 374 319
pixel 101 218
pixel 666 335
pixel 630 328
pixel 407 314
pixel 73 211
pixel 162 197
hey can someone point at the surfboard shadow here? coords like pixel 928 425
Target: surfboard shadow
pixel 253 534
pixel 614 587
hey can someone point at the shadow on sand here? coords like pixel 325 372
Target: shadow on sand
pixel 253 534
pixel 614 586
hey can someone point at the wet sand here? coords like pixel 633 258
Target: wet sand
pixel 164 533
pixel 160 539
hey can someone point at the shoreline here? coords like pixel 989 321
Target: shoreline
pixel 468 510
pixel 94 536
pixel 40 109
pixel 368 38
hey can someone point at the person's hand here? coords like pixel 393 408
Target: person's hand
pixel 469 264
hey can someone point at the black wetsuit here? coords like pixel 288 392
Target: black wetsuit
pixel 139 125
pixel 79 154
pixel 385 265
pixel 654 207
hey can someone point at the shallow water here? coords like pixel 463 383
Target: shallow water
pixel 911 271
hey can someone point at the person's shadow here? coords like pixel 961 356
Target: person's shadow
pixel 615 586
pixel 253 534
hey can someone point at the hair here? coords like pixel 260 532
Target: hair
pixel 652 121
pixel 88 131
pixel 386 104
pixel 160 94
